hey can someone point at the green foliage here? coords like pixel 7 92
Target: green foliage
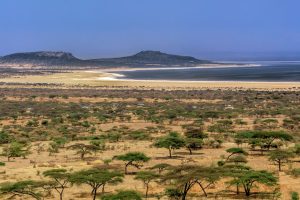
pixel 193 144
pixel 83 149
pixel 160 167
pixel 57 174
pixel 113 137
pixel 173 193
pixel 133 159
pixel 211 114
pixel 184 177
pixel 234 151
pixel 96 178
pixel 133 156
pixel 98 143
pixel 294 196
pixel 280 157
pixel 5 137
pixel 123 195
pixel 193 132
pixel 60 141
pixel 138 135
pixel 170 142
pixel 60 179
pixel 22 188
pixel 237 159
pixel 194 138
pixel 249 178
pixel 146 177
pixel 265 135
pixel 263 139
pixel 15 149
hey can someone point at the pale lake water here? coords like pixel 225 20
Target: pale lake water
pixel 266 71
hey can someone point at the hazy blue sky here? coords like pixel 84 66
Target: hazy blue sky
pixel 105 28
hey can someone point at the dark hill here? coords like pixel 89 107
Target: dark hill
pixel 153 58
pixel 141 59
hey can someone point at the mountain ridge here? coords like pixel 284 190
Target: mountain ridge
pixel 63 59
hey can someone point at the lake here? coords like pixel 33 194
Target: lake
pixel 263 71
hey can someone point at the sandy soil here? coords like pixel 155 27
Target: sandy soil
pixel 104 79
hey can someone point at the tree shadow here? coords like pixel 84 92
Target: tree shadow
pixel 188 153
pixel 168 158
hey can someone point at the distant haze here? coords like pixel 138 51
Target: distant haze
pixel 206 29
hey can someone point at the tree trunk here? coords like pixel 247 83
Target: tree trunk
pixel 170 152
pixel 103 188
pixel 247 193
pixel 185 191
pixel 184 195
pixel 147 189
pixel 95 193
pixel 279 165
pixel 125 169
pixel 190 150
pixel 202 188
pixel 126 165
pixel 247 190
pixel 61 195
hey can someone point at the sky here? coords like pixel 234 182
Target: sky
pixel 111 28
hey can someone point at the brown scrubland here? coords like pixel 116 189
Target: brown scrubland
pixel 139 143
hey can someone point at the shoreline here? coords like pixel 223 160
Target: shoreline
pixel 110 80
pixel 204 66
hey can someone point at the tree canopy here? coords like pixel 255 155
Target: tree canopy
pixel 61 179
pixel 170 142
pixel 133 159
pixel 96 178
pixel 123 195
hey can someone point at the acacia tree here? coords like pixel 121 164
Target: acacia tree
pixel 235 151
pixel 83 149
pixel 15 149
pixel 160 167
pixel 171 141
pixel 24 188
pixel 146 177
pixel 185 177
pixel 193 144
pixel 60 178
pixel 96 178
pixel 280 157
pixel 235 171
pixel 249 179
pixel 194 138
pixel 263 139
pixel 134 159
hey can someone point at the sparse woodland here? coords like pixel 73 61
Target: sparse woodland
pixel 149 144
